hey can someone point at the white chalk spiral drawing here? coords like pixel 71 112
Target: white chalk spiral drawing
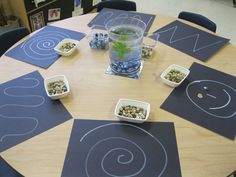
pixel 41 47
pixel 8 92
pixel 123 155
pixel 193 36
pixel 227 92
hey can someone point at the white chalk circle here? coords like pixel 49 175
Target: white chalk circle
pixel 212 97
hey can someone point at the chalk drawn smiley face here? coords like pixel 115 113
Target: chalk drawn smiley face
pixel 212 97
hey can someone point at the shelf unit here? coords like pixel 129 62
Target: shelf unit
pixel 48 11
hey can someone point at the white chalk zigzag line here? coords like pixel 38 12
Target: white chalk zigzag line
pixel 194 36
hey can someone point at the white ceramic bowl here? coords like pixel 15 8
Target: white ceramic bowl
pixel 65 41
pixel 125 102
pixel 54 79
pixel 178 68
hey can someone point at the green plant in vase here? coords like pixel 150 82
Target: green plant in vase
pixel 121 49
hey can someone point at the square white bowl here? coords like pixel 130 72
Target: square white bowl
pixel 64 42
pixel 125 102
pixel 54 79
pixel 178 68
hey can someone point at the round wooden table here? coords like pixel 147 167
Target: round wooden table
pixel 94 95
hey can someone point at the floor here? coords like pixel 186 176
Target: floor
pixel 221 12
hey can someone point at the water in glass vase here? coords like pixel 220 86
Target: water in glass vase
pixel 125 45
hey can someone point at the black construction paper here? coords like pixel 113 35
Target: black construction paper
pixel 207 98
pixel 112 148
pixel 39 48
pixel 8 171
pixel 26 110
pixel 106 14
pixel 192 41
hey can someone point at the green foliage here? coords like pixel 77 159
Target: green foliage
pixel 121 49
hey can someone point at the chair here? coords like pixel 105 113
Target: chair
pixel 6 170
pixel 198 19
pixel 117 4
pixel 233 174
pixel 9 38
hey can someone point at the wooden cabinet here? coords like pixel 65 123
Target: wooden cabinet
pixel 47 11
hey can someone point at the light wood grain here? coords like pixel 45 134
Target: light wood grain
pixel 94 95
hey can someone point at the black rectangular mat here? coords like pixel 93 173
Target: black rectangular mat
pixel 106 14
pixel 207 98
pixel 39 49
pixel 112 148
pixel 26 110
pixel 190 40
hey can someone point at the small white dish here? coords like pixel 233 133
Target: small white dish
pixel 139 104
pixel 66 47
pixel 63 85
pixel 181 69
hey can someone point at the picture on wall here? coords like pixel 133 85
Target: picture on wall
pixel 37 21
pixel 77 3
pixel 78 10
pixel 54 14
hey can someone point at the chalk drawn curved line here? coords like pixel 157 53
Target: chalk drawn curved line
pixel 105 139
pixel 122 15
pixel 137 17
pixel 48 45
pixel 135 174
pixel 25 105
pixel 19 134
pixel 107 18
pixel 120 156
pixel 37 51
pixel 5 91
pixel 198 81
pixel 38 40
pixel 197 36
pixel 21 105
pixel 212 96
pixel 223 106
pixel 26 78
pixel 105 15
pixel 140 18
pixel 109 124
pixel 43 36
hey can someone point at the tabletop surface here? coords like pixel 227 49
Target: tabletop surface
pixel 94 95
